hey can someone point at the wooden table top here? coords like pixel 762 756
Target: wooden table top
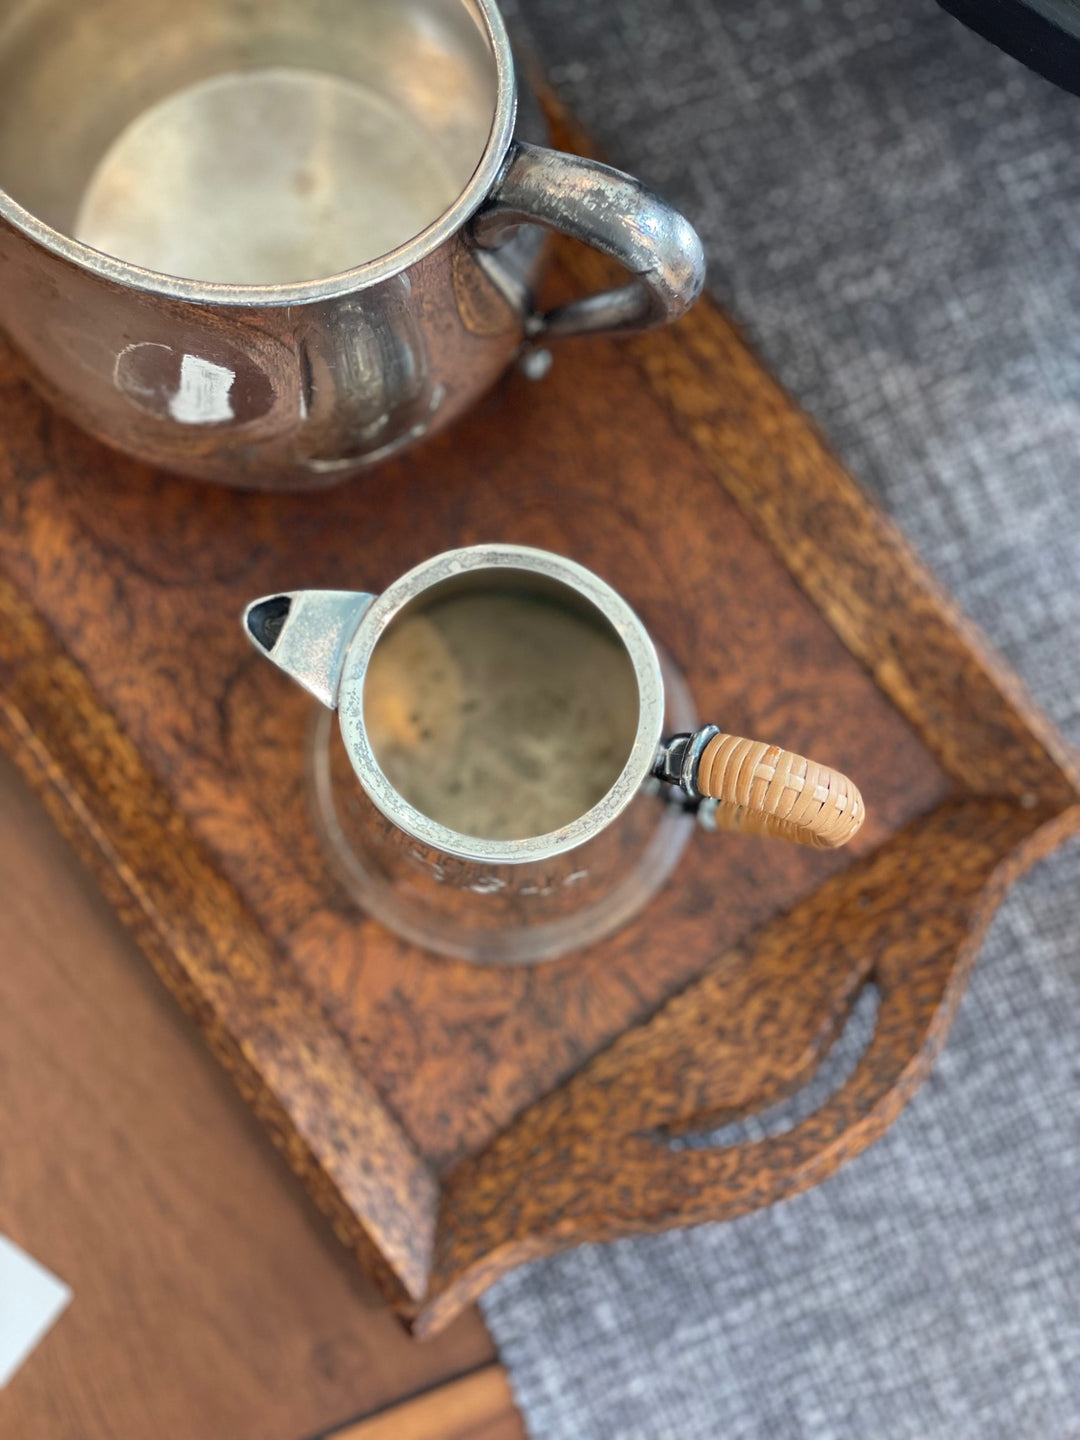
pixel 210 1299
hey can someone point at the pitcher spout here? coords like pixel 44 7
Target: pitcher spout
pixel 307 634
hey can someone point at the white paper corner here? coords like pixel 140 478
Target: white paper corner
pixel 31 1301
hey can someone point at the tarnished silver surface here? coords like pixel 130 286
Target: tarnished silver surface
pixel 525 898
pixel 288 287
pixel 307 634
pixel 617 215
pixel 494 914
pixel 271 177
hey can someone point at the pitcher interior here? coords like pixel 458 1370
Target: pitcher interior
pixel 502 707
pixel 240 142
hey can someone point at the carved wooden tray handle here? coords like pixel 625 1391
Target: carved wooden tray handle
pixel 606 1156
pixel 763 789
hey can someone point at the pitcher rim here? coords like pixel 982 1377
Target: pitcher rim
pixel 625 623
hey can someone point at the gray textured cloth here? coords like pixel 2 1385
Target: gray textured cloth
pixel 892 210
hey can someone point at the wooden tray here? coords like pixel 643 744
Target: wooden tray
pixel 454 1121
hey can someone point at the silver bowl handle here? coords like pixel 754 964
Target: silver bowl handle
pixel 615 214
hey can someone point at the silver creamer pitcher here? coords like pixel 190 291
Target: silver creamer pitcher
pixel 515 770
pixel 270 244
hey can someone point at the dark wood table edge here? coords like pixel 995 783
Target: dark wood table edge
pixel 472 1403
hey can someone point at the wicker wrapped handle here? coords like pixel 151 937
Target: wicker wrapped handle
pixel 768 791
pixel 762 789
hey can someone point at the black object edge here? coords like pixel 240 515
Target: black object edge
pixel 1043 34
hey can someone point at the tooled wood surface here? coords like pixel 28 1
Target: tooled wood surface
pixel 173 759
pixel 144 595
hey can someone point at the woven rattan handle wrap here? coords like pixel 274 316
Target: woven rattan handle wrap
pixel 768 791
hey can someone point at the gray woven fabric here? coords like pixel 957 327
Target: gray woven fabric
pixel 892 210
